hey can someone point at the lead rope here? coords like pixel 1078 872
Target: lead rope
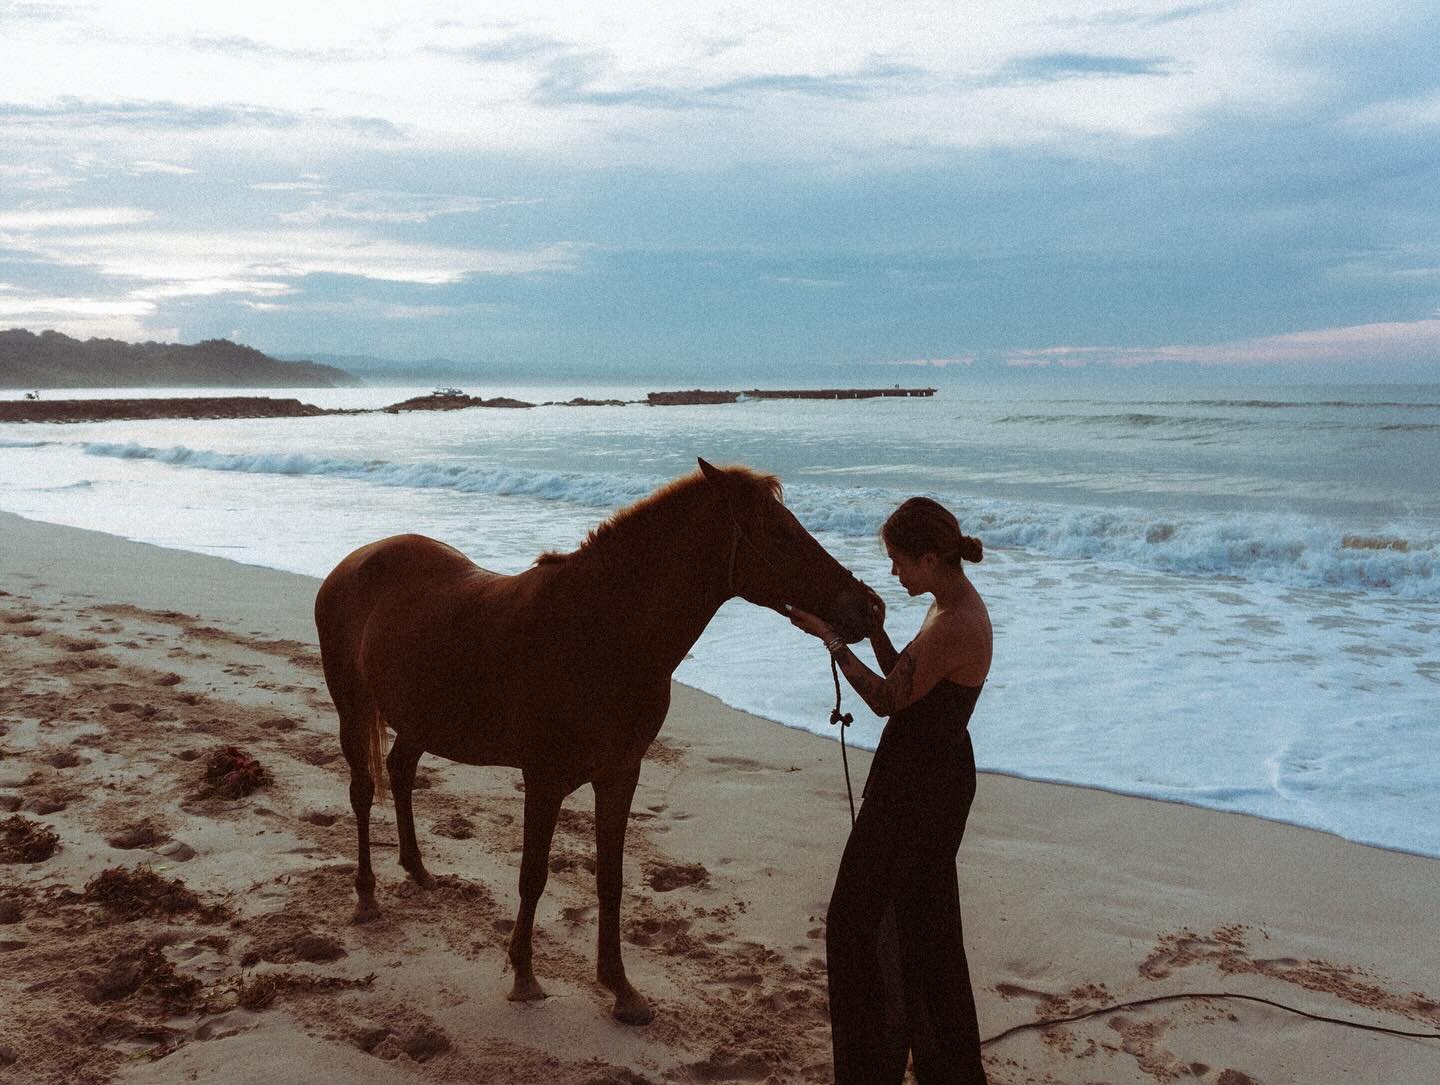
pixel 844 719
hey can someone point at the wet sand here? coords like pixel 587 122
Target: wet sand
pixel 130 670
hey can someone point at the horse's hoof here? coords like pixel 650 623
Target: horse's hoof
pixel 424 879
pixel 526 989
pixel 632 1009
pixel 365 911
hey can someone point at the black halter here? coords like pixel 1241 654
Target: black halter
pixel 735 540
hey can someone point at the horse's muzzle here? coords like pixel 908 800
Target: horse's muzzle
pixel 850 614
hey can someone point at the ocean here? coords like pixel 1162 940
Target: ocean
pixel 1219 595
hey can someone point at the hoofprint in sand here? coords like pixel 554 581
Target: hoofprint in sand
pixel 162 921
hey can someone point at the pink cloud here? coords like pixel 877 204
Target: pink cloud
pixel 1412 341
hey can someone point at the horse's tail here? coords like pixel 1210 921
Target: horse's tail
pixel 375 752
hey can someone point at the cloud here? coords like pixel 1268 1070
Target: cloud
pixel 1055 67
pixel 150 166
pixel 237 45
pixel 34 177
pixel 1410 114
pixel 34 12
pixel 84 317
pixel 1123 17
pixel 306 184
pixel 202 288
pixel 12 308
pixel 368 309
pixel 582 78
pixel 404 207
pixel 1359 344
pixel 69 218
pixel 205 256
pixel 809 283
pixel 68 114
pixel 511 49
pixel 937 363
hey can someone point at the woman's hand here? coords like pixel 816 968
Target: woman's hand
pixel 816 627
pixel 877 612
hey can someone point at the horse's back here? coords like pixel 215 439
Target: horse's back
pixel 399 568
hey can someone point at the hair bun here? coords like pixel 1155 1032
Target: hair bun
pixel 971 548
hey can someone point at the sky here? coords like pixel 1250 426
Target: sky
pixel 911 192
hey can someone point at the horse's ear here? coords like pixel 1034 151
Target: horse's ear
pixel 713 475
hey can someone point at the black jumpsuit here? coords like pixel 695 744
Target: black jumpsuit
pixel 899 983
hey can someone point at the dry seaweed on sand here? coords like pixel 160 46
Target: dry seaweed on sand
pixel 232 773
pixel 25 841
pixel 131 892
pixel 145 971
pixel 257 991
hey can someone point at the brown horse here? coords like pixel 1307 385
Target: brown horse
pixel 562 671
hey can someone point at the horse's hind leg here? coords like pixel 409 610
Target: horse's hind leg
pixel 404 757
pixel 612 812
pixel 355 738
pixel 542 809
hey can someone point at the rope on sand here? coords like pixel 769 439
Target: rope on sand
pixel 1030 1026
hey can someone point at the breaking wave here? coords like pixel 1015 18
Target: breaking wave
pixel 1290 549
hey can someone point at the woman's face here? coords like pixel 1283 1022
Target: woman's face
pixel 912 572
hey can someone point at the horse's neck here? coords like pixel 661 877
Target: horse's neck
pixel 669 576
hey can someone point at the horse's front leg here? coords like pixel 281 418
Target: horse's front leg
pixel 542 809
pixel 612 812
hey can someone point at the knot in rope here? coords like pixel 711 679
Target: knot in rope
pixel 844 719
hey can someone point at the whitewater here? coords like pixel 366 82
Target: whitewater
pixel 1220 595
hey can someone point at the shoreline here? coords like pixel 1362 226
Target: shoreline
pixel 857 779
pixel 1073 897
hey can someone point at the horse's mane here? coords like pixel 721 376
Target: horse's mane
pixel 623 523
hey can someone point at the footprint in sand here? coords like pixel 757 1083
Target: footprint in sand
pixel 664 877
pixel 141 835
pixel 740 764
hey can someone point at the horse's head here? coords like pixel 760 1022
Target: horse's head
pixel 774 562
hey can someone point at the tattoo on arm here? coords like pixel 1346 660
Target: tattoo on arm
pixel 887 695
pixel 885 653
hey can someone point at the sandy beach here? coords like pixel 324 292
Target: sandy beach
pixel 162 921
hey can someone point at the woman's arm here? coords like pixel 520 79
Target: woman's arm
pixel 916 670
pixel 885 653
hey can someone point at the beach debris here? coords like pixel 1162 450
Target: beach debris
pixel 23 840
pixel 422 1042
pixel 301 946
pixel 145 970
pixel 142 835
pixel 258 991
pixel 63 759
pixel 177 851
pixel 232 773
pixel 664 877
pixel 131 892
pixel 456 827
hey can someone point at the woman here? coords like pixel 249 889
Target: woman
pixel 899 983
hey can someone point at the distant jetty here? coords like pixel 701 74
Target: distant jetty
pixel 451 399
pixel 697 395
pixel 34 409
pixel 110 410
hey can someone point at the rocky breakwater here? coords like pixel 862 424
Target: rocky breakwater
pixel 452 401
pixel 109 410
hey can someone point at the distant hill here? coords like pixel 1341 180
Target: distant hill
pixel 53 360
pixel 373 370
